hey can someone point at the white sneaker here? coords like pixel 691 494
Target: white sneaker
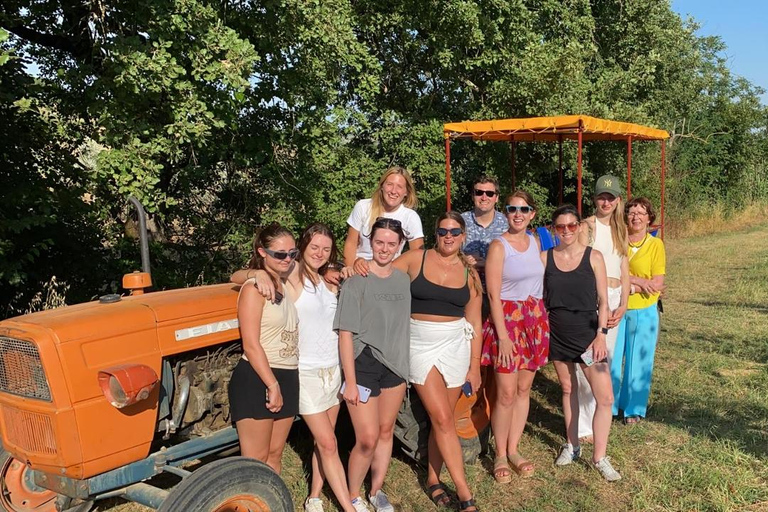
pixel 606 469
pixel 313 505
pixel 567 455
pixel 359 505
pixel 380 502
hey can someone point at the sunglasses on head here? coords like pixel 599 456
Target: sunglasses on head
pixel 561 228
pixel 386 221
pixel 452 231
pixel 519 209
pixel 489 193
pixel 281 255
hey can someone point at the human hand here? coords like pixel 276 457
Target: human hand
pixel 264 285
pixel 274 399
pixel 362 267
pixel 506 349
pixel 351 395
pixel 599 348
pixel 615 317
pixel 333 277
pixel 473 377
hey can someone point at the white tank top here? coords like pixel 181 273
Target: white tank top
pixel 318 342
pixel 604 243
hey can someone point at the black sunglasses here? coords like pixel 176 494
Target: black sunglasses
pixel 521 209
pixel 452 231
pixel 281 255
pixel 489 193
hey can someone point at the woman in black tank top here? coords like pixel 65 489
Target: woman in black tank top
pixel 576 297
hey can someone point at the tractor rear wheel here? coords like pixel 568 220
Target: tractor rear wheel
pixel 233 484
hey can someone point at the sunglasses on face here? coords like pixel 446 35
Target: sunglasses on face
pixel 561 228
pixel 452 231
pixel 489 193
pixel 281 255
pixel 518 209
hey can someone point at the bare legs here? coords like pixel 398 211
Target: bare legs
pixel 510 411
pixel 326 464
pixel 444 445
pixel 374 423
pixel 599 378
pixel 264 440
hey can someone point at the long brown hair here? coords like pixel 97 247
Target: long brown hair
pixel 264 240
pixel 377 199
pixel 456 217
pixel 317 228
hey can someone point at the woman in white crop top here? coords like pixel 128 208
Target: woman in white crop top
pixel 607 232
pixel 319 368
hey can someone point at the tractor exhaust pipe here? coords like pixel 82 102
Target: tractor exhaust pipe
pixel 142 234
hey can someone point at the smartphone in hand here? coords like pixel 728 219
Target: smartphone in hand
pixel 363 391
pixel 587 357
pixel 467 389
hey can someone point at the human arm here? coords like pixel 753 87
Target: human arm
pixel 493 269
pixel 416 244
pixel 615 316
pixel 472 312
pixel 598 345
pixel 656 267
pixel 350 251
pixel 347 357
pixel 250 306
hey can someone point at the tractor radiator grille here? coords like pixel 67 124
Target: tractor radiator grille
pixel 21 372
pixel 29 431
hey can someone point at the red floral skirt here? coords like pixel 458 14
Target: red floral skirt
pixel 528 326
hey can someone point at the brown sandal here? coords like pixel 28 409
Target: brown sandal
pixel 501 471
pixel 524 468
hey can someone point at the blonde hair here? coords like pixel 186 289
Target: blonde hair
pixel 377 199
pixel 618 224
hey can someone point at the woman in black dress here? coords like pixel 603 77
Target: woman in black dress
pixel 576 297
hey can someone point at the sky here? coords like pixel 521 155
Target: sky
pixel 743 27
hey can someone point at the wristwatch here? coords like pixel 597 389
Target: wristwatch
pixel 604 330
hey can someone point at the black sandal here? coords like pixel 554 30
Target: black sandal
pixel 441 499
pixel 464 505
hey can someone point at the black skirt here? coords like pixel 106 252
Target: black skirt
pixel 247 394
pixel 571 332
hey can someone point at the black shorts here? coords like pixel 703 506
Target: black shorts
pixel 373 374
pixel 247 394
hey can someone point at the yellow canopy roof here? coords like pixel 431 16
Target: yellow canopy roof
pixel 551 129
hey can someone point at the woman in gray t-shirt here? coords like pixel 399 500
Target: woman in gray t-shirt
pixel 373 347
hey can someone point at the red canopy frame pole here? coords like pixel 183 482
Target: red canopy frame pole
pixel 578 166
pixel 663 173
pixel 560 167
pixel 448 174
pixel 629 167
pixel 512 145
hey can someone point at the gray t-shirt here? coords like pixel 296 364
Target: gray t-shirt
pixel 377 312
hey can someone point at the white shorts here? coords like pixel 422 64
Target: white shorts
pixel 319 389
pixel 443 345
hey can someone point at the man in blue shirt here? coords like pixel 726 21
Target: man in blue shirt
pixel 484 224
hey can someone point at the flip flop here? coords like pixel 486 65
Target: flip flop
pixel 501 472
pixel 524 468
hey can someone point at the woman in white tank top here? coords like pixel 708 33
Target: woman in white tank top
pixel 607 232
pixel 319 368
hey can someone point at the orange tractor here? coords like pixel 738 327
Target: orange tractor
pixel 97 398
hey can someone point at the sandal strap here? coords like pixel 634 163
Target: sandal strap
pixel 439 485
pixel 463 505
